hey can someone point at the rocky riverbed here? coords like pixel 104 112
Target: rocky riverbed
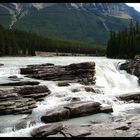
pixel 73 92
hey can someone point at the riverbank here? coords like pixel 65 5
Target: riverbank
pixel 51 54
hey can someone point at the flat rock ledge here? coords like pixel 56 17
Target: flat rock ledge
pixel 20 83
pixel 76 109
pixel 125 128
pixel 80 72
pixel 21 100
pixel 134 96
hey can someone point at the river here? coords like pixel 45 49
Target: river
pixel 110 81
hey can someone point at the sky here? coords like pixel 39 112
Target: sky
pixel 135 5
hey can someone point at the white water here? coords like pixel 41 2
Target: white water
pixel 109 81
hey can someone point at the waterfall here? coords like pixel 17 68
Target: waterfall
pixel 110 82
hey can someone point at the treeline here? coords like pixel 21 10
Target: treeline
pixel 21 43
pixel 126 43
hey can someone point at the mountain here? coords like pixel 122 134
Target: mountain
pixel 87 22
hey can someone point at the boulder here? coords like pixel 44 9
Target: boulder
pixel 106 109
pixel 14 78
pixel 75 99
pixel 78 109
pixel 75 109
pixel 89 89
pixel 75 90
pixel 46 130
pixel 56 116
pixel 80 72
pixel 60 84
pixel 135 96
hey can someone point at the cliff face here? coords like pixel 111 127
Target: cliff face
pixel 132 66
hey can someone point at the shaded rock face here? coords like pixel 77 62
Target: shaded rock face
pixel 21 100
pixel 1 64
pixel 81 72
pixel 14 78
pixel 75 109
pixel 135 96
pixel 132 67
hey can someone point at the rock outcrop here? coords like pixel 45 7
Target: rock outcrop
pixel 81 72
pixel 14 78
pixel 1 64
pixel 135 96
pixel 132 67
pixel 63 83
pixel 122 128
pixel 46 130
pixel 21 100
pixel 20 83
pixel 75 109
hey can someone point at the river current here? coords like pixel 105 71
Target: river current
pixel 110 82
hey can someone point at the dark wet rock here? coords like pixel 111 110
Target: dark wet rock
pixel 80 72
pixel 135 96
pixel 106 109
pixel 21 100
pixel 1 64
pixel 56 116
pixel 132 66
pixel 75 90
pixel 72 99
pixel 123 127
pixel 60 84
pixel 46 130
pixel 75 99
pixel 14 78
pixel 74 109
pixel 20 83
pixel 21 125
pixel 89 89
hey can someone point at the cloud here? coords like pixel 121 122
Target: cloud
pixel 135 5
